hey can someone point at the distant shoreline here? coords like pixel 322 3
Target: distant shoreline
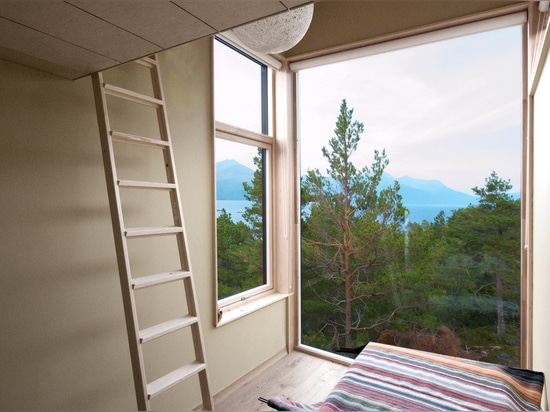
pixel 417 212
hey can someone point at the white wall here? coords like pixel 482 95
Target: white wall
pixel 63 340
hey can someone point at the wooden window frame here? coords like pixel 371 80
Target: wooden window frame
pixel 410 38
pixel 246 302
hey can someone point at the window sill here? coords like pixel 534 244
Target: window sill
pixel 323 354
pixel 238 310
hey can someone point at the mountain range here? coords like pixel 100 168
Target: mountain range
pixel 230 174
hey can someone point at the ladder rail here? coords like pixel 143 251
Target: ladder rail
pixel 191 297
pixel 121 246
pixel 190 293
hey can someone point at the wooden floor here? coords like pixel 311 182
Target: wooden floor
pixel 298 376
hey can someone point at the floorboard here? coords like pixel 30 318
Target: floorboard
pixel 299 376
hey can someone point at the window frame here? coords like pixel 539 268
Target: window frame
pixel 238 305
pixel 410 38
pixel 233 134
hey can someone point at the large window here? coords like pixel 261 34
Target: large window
pixel 243 151
pixel 411 165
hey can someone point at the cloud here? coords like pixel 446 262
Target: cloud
pixel 441 110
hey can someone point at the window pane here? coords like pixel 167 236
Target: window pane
pixel 238 86
pixel 240 204
pixel 410 202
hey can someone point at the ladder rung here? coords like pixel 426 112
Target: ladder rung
pixel 145 141
pixel 153 231
pixel 147 62
pixel 165 328
pixel 173 378
pixel 132 96
pixel 159 278
pixel 146 185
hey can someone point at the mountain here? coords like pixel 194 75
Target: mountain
pixel 230 176
pixel 430 192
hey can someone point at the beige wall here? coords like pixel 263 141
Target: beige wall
pixel 63 340
pixel 541 226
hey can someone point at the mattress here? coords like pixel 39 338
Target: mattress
pixel 385 377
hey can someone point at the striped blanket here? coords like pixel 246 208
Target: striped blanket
pixel 385 377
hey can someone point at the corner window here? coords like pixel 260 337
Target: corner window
pixel 411 197
pixel 243 151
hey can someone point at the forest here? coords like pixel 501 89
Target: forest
pixel 451 285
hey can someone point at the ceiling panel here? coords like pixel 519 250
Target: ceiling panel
pixel 160 22
pixel 64 21
pixel 224 14
pixel 37 63
pixel 27 41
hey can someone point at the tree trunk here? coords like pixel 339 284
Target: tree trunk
pixel 501 325
pixel 348 340
pixel 348 252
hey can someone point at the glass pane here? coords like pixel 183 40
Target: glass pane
pixel 410 164
pixel 240 217
pixel 238 92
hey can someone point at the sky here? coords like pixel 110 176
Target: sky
pixel 449 110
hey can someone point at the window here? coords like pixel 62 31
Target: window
pixel 410 211
pixel 243 155
pixel 242 89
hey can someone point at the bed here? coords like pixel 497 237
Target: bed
pixel 385 377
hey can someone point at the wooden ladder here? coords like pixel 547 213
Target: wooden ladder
pixel 137 337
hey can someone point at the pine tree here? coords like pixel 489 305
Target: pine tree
pixel 489 234
pixel 351 228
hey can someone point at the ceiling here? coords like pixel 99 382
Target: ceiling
pixel 341 23
pixel 73 38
